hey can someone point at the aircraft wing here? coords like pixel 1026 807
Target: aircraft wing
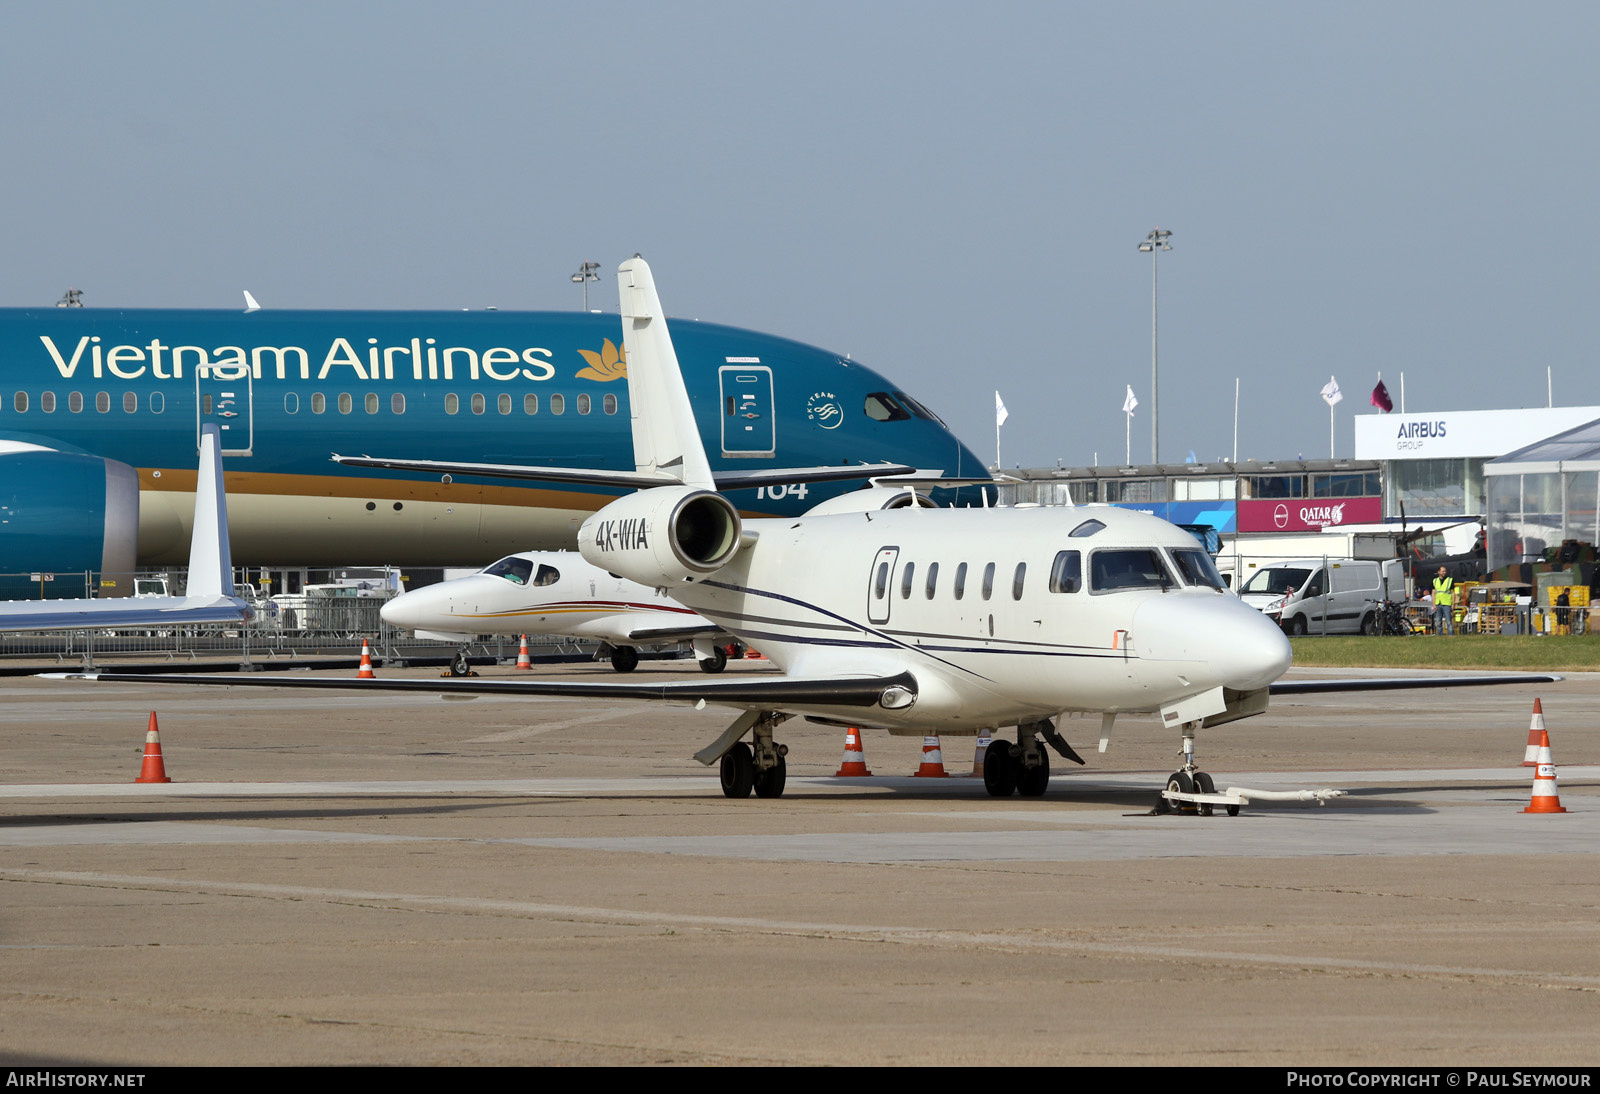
pixel 760 693
pixel 1402 683
pixel 631 480
pixel 147 611
pixel 671 634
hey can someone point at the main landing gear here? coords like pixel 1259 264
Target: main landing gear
pixel 624 658
pixel 716 662
pixel 1023 767
pixel 760 766
pixel 1189 779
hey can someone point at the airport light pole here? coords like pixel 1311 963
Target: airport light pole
pixel 588 272
pixel 1155 243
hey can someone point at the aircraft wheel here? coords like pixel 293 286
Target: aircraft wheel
pixel 999 769
pixel 1179 782
pixel 459 665
pixel 625 658
pixel 769 783
pixel 1204 785
pixel 738 771
pixel 1033 781
pixel 716 662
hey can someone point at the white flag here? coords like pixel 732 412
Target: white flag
pixel 1330 391
pixel 1130 402
pixel 1000 412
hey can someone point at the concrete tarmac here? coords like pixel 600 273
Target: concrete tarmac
pixel 399 879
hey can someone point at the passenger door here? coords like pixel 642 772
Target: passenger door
pixel 748 429
pixel 880 585
pixel 227 403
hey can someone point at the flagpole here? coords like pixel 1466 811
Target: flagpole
pixel 1127 441
pixel 1236 419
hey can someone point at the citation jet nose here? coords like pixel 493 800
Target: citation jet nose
pixel 427 607
pixel 1215 634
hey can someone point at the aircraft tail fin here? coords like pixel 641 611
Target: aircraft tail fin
pixel 666 439
pixel 210 556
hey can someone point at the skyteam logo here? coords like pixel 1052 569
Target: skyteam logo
pixel 823 408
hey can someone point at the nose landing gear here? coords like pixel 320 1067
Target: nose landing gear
pixel 1182 785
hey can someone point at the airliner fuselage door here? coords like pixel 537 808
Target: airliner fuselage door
pixel 880 593
pixel 748 429
pixel 222 395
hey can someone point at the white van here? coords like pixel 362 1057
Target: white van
pixel 1324 596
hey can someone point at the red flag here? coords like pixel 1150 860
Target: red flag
pixel 1380 398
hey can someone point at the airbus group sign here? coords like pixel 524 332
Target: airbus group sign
pixel 1462 434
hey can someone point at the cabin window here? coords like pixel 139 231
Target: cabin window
pixel 1197 568
pixel 530 404
pixel 47 402
pixel 130 402
pixel 75 402
pixel 21 402
pixel 933 579
pixel 319 403
pixel 158 402
pixel 961 581
pixel 1132 568
pixel 291 403
pixel 477 402
pixel 879 585
pixel 102 402
pixel 452 403
pixel 558 404
pixel 988 581
pixel 1066 573
pixel 515 570
pixel 583 403
pixel 397 403
pixel 882 407
pixel 346 403
pixel 609 403
pixel 1016 580
pixel 372 402
pixel 503 403
pixel 905 580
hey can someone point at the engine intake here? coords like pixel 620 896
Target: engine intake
pixel 662 536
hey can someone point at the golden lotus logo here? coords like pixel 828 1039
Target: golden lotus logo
pixel 610 363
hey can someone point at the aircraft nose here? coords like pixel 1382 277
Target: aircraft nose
pixel 418 608
pixel 1243 649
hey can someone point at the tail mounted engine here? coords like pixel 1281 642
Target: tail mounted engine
pixel 663 536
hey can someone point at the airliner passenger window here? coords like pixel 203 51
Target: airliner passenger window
pixel 933 578
pixel 503 403
pixel 1133 568
pixel 1197 568
pixel 609 403
pixel 988 581
pixel 102 402
pixel 881 407
pixel 452 403
pixel 397 403
pixel 21 402
pixel 130 402
pixel 477 402
pixel 961 580
pixel 905 580
pixel 1087 528
pixel 291 402
pixel 583 403
pixel 47 402
pixel 558 404
pixel 158 402
pixel 75 402
pixel 346 404
pixel 1066 573
pixel 319 402
pixel 515 570
pixel 372 402
pixel 1016 580
pixel 530 404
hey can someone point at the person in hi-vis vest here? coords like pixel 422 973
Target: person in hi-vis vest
pixel 1444 595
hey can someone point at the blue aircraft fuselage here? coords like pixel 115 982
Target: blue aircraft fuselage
pixel 79 387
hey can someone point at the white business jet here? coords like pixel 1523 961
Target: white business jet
pixel 891 616
pixel 555 593
pixel 209 597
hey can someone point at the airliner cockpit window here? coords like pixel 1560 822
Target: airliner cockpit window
pixel 1197 568
pixel 882 407
pixel 515 570
pixel 918 409
pixel 1133 568
pixel 1087 528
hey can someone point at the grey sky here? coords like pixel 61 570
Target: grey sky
pixel 951 193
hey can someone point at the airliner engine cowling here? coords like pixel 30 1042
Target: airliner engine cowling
pixel 662 536
pixel 66 514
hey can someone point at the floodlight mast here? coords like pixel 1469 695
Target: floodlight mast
pixel 589 271
pixel 1155 243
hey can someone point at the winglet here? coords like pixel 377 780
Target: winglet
pixel 666 439
pixel 250 302
pixel 210 556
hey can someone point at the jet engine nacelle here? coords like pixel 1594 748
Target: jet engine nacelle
pixel 871 500
pixel 662 536
pixel 65 513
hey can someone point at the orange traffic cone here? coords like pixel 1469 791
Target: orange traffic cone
pixel 365 672
pixel 153 770
pixel 1545 798
pixel 855 758
pixel 932 766
pixel 753 655
pixel 522 656
pixel 984 740
pixel 1536 738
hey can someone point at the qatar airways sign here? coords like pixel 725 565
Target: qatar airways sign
pixel 1306 514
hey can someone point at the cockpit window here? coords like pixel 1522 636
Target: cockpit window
pixel 515 570
pixel 882 407
pixel 1133 568
pixel 1197 568
pixel 918 408
pixel 1066 574
pixel 1087 528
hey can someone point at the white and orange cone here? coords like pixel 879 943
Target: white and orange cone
pixel 1546 799
pixel 932 766
pixel 1537 737
pixel 365 672
pixel 523 661
pixel 984 740
pixel 153 770
pixel 855 758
